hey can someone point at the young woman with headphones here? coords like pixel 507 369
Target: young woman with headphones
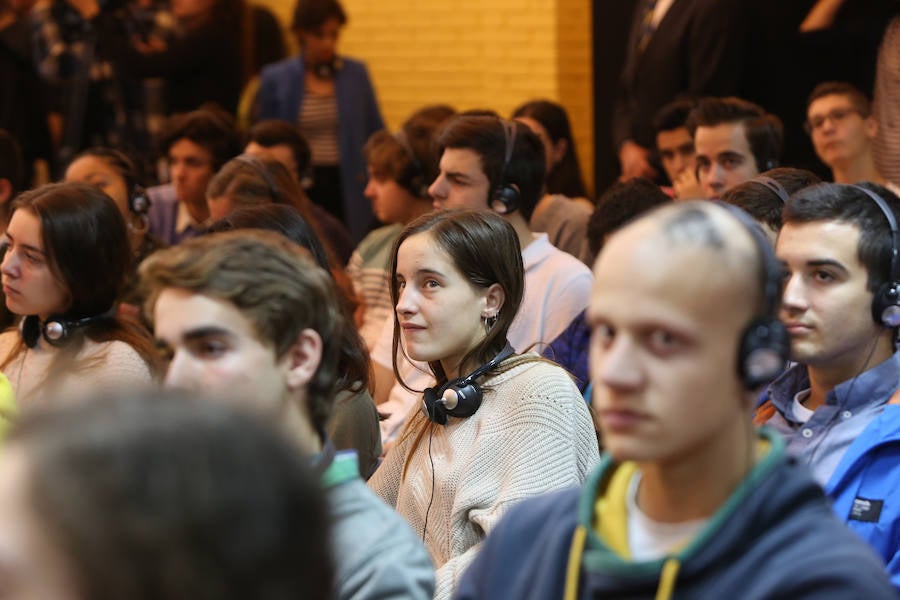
pixel 497 427
pixel 114 173
pixel 65 256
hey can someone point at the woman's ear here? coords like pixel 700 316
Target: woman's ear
pixel 560 147
pixel 494 298
pixel 302 359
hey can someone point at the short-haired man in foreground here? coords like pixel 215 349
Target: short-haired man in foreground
pixel 248 317
pixel 841 265
pixel 690 500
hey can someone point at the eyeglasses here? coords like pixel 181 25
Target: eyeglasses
pixel 835 116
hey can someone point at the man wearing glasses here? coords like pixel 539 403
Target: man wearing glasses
pixel 843 129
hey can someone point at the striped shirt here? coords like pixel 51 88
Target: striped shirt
pixel 887 103
pixel 318 121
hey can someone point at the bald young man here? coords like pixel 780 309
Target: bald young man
pixel 690 500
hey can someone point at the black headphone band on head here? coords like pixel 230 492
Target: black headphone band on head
pixel 260 168
pixel 773 186
pixel 460 397
pixel 765 344
pixel 886 301
pixel 505 196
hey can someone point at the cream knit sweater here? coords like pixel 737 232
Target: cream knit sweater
pixel 532 434
pixel 104 366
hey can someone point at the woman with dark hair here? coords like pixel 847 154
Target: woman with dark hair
pixel 332 99
pixel 115 174
pixel 565 208
pixel 159 496
pixel 65 257
pixel 354 420
pixel 497 427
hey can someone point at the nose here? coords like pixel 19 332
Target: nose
pixel 615 366
pixel 406 304
pixel 438 190
pixel 713 181
pixel 179 374
pixel 793 298
pixel 10 264
pixel 369 191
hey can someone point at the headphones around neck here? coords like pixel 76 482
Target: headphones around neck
pixel 765 344
pixel 327 70
pixel 773 186
pixel 460 397
pixel 505 197
pixel 886 301
pixel 56 330
pixel 413 176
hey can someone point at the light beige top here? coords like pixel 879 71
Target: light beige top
pixel 98 366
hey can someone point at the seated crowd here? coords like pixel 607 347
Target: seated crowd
pixel 348 362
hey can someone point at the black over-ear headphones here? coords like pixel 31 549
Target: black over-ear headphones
pixel 505 197
pixel 765 344
pixel 56 330
pixel 261 170
pixel 773 186
pixel 413 177
pixel 886 302
pixel 327 70
pixel 460 397
pixel 138 201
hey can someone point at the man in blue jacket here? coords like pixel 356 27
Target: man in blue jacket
pixel 690 500
pixel 839 245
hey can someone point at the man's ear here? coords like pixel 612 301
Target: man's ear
pixel 302 359
pixel 871 124
pixel 493 300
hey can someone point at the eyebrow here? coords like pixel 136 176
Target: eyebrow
pixel 203 332
pixel 26 246
pixel 457 175
pixel 822 262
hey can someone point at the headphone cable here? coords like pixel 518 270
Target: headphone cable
pixel 431 499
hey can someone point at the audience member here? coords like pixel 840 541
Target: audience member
pixel 840 122
pixel 196 144
pixel 65 258
pixel 332 99
pixel 354 421
pixel 838 245
pixel 490 163
pixel 249 318
pixel 563 211
pixel 158 496
pixel 400 166
pixel 675 148
pixel 115 174
pixel 734 141
pixel 690 500
pixel 886 110
pixel 499 427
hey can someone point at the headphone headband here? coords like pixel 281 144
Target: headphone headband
pixel 503 355
pixel 260 168
pixel 773 186
pixel 895 231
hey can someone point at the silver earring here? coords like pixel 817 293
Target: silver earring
pixel 489 322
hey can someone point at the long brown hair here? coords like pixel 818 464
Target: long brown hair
pixel 86 244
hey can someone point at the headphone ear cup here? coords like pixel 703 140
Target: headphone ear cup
pixel 432 407
pixel 886 305
pixel 468 399
pixel 139 202
pixel 763 352
pixel 30 329
pixel 505 199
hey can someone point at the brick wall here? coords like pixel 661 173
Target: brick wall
pixel 474 54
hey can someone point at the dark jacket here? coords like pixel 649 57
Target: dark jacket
pixel 775 537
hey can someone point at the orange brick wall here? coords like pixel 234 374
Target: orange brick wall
pixel 474 54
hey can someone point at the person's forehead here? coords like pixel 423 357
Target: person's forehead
pixel 179 311
pixel 724 137
pixel 673 137
pixel 462 160
pixel 828 102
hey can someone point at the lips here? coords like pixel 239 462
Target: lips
pixel 621 420
pixel 797 328
pixel 411 327
pixel 8 290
